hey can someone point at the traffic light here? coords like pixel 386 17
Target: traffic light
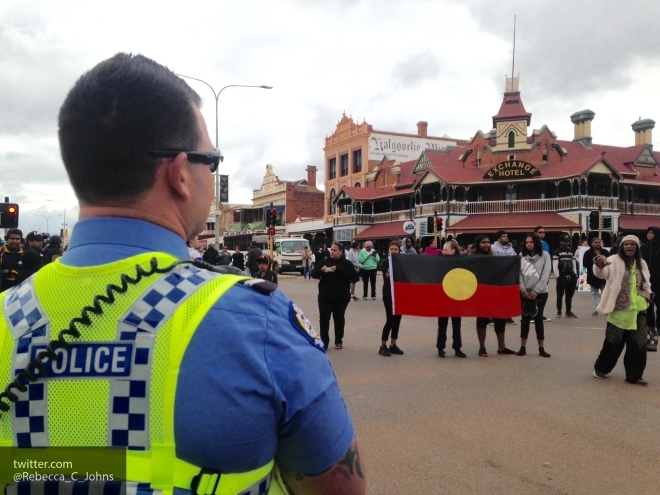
pixel 429 225
pixel 594 220
pixel 438 222
pixel 8 216
pixel 272 218
pixel 607 222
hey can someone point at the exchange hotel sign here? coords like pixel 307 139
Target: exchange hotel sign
pixel 512 169
pixel 402 148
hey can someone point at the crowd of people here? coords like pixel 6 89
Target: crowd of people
pixel 21 258
pixel 630 307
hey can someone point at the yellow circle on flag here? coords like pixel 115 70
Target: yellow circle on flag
pixel 460 284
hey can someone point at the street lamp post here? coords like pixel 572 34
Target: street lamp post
pixel 46 217
pixel 217 171
pixel 63 219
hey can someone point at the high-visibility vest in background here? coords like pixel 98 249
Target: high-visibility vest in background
pixel 128 359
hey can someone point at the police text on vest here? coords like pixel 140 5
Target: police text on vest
pixel 87 360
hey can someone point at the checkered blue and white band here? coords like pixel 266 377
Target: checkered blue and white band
pixel 126 362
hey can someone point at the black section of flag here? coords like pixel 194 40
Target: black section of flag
pixel 489 270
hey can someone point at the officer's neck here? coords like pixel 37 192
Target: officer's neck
pixel 164 218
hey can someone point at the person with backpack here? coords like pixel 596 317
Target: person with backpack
pixel 565 265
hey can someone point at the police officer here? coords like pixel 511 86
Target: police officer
pixel 187 368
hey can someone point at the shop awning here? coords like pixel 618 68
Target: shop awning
pixel 638 222
pixel 306 228
pixel 382 231
pixel 512 222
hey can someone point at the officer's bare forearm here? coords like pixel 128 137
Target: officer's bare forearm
pixel 346 477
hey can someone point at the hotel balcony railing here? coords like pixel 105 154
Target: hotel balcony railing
pixel 639 208
pixel 518 205
pixel 505 206
pixel 369 218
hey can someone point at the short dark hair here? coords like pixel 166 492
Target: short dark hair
pixel 355 244
pixel 500 233
pixel 538 247
pixel 537 228
pixel 114 113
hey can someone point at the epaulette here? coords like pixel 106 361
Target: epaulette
pixel 222 269
pixel 260 285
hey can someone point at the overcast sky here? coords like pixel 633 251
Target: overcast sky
pixel 392 63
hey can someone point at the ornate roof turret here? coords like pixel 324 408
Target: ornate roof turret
pixel 512 106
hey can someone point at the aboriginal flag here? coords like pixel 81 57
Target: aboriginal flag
pixel 482 286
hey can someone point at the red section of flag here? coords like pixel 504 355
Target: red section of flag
pixel 489 301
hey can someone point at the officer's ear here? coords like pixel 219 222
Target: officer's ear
pixel 179 176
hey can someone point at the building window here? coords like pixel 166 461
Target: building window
pixel 512 139
pixel 357 161
pixel 357 184
pixel 345 235
pixel 332 166
pixel 332 200
pixel 545 153
pixel 344 165
pixel 512 157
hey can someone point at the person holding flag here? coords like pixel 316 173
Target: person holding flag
pixel 393 321
pixel 482 247
pixel 450 248
pixel 534 276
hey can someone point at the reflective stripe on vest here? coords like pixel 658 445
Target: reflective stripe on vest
pixel 126 363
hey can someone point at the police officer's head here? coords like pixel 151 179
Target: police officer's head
pixel 118 127
pixel 563 240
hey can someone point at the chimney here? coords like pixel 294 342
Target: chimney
pixel 643 130
pixel 311 176
pixel 422 128
pixel 582 126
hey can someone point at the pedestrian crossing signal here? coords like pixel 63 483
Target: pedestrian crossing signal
pixel 8 216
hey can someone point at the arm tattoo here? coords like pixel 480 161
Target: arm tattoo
pixel 352 460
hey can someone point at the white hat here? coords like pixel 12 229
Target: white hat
pixel 632 238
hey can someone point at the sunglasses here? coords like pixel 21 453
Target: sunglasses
pixel 212 158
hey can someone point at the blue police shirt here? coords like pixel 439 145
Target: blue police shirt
pixel 247 347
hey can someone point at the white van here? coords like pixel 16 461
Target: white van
pixel 286 254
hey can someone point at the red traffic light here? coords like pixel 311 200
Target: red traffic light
pixel 273 212
pixel 8 215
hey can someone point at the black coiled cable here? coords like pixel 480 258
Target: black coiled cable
pixel 109 298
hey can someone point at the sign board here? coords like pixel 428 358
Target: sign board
pixel 224 189
pixel 512 169
pixel 409 227
pixel 403 148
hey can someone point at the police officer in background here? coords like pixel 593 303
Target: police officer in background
pixel 247 393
